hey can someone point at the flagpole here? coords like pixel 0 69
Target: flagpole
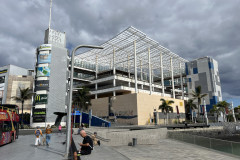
pixel 205 111
pixel 234 118
pixel 50 15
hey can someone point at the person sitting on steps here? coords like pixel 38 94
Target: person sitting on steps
pixel 86 145
pixel 95 140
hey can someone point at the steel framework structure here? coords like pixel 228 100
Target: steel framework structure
pixel 123 46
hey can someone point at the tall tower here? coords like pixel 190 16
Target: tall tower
pixel 204 72
pixel 51 79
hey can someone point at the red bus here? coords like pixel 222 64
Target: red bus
pixel 9 123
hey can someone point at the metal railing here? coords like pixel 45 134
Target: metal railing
pixel 213 143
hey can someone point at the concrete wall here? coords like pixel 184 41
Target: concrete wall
pixel 147 103
pixel 57 83
pixel 136 109
pixel 122 137
pixel 125 106
pixel 100 107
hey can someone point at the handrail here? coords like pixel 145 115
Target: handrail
pixel 212 143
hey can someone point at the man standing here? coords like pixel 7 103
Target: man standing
pixel 37 133
pixel 86 145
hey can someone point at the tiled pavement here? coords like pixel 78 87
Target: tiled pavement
pixel 23 149
pixel 172 150
pixel 167 149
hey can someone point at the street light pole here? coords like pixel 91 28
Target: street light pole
pixel 234 118
pixel 70 94
pixel 205 111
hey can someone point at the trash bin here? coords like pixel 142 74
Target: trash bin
pixel 134 142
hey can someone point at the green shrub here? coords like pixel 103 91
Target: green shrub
pixel 26 127
pixel 53 126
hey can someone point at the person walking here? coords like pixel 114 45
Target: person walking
pixel 48 134
pixel 60 129
pixel 38 133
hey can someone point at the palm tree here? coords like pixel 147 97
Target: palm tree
pixel 224 106
pixel 217 110
pixel 191 106
pixel 198 95
pixel 165 107
pixel 83 100
pixel 25 94
pixel 237 109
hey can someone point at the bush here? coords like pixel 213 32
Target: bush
pixel 230 118
pixel 175 121
pixel 53 126
pixel 26 127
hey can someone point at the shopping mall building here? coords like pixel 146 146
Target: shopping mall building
pixel 126 79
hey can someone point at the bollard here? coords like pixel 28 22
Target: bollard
pixel 134 142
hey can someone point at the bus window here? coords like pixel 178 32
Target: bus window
pixel 7 126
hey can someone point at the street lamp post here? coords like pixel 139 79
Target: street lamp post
pixel 205 111
pixel 234 118
pixel 70 93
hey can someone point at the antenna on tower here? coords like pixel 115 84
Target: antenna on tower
pixel 50 14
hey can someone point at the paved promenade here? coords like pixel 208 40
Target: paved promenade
pixel 24 149
pixel 166 149
pixel 171 150
pixel 100 152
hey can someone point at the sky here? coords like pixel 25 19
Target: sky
pixel 189 28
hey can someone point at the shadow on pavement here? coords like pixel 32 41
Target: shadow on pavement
pixel 48 149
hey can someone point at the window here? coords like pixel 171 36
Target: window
pixel 195 71
pixel 210 65
pixel 2 79
pixel 7 126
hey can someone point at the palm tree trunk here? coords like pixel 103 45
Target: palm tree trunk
pixel 81 116
pixel 192 115
pixel 199 110
pixel 22 112
pixel 167 118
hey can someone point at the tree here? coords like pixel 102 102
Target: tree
pixel 216 110
pixel 224 106
pixel 191 106
pixel 237 109
pixel 82 98
pixel 198 95
pixel 25 94
pixel 165 107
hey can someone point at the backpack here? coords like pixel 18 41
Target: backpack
pixel 37 132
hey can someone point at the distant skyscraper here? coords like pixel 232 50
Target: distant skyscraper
pixel 204 72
